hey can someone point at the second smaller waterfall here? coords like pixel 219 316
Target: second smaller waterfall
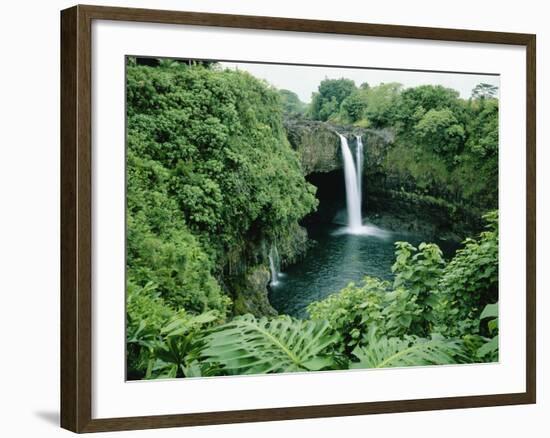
pixel 274 265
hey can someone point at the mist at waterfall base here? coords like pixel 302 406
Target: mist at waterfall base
pixel 345 250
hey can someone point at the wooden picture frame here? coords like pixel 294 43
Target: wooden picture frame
pixel 76 217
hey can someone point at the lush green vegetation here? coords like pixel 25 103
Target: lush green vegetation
pixel 210 177
pixel 445 146
pixel 291 103
pixel 212 183
pixel 423 318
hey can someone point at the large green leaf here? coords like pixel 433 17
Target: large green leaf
pixel 395 352
pixel 248 345
pixel 490 349
pixel 490 311
pixel 184 324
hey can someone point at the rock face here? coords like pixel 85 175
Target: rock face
pixel 318 143
pixel 251 296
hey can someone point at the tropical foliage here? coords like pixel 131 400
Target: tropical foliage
pixel 382 352
pixel 210 176
pixel 212 181
pixel 249 346
pixel 412 321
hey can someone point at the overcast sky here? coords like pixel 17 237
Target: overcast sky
pixel 304 80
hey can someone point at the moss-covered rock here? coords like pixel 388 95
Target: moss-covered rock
pixel 251 293
pixel 316 142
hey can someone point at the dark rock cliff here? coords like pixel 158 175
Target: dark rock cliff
pixel 251 293
pixel 318 143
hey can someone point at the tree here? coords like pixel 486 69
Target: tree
pixel 331 93
pixel 483 129
pixel 381 102
pixel 440 132
pixel 415 102
pixel 292 105
pixel 353 107
pixel 484 91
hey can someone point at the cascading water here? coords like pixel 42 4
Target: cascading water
pixel 274 265
pixel 359 166
pixel 353 197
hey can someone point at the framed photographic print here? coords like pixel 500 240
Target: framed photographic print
pixel 270 218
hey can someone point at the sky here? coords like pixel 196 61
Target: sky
pixel 304 80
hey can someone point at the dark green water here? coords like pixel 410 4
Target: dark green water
pixel 338 259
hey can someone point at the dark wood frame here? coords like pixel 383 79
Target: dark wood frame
pixel 76 218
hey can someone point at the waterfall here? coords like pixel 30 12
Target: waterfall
pixel 359 165
pixel 353 197
pixel 274 265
